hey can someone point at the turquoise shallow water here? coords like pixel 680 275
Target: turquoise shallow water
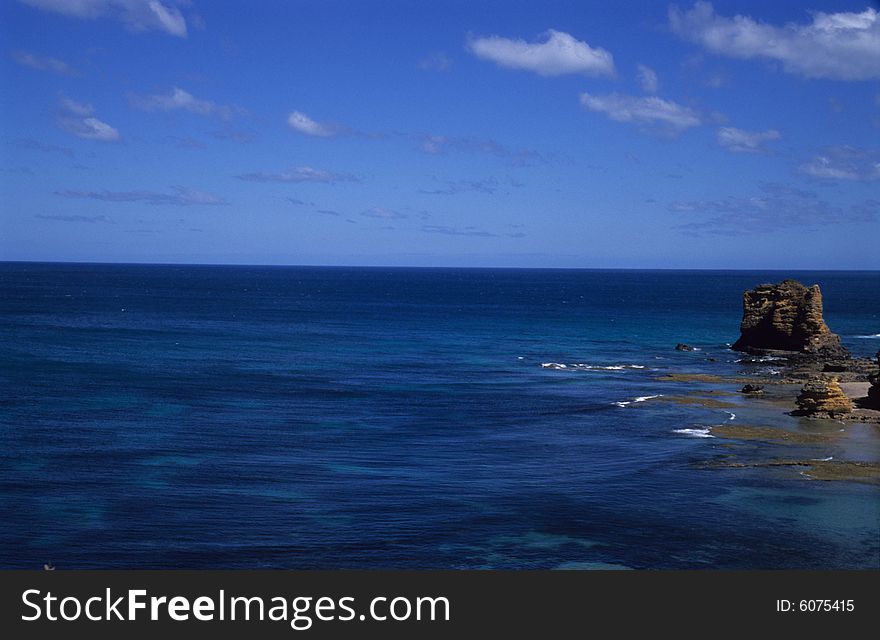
pixel 180 416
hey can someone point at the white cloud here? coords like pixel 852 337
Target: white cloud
pixel 137 15
pixel 78 119
pixel 300 174
pixel 844 163
pixel 663 115
pixel 840 46
pixel 558 54
pixel 742 141
pixel 647 79
pixel 43 63
pixel 180 100
pixel 299 121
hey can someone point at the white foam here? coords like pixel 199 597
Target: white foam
pixel 828 459
pixel 611 367
pixel 731 414
pixel 870 335
pixel 624 403
pixel 694 433
pixel 581 366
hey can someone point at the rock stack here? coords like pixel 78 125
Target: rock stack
pixel 786 317
pixel 823 398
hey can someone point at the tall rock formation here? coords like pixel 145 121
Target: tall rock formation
pixel 823 398
pixel 786 317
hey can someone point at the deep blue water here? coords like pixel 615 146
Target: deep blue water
pixel 186 416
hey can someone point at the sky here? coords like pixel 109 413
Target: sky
pixel 730 135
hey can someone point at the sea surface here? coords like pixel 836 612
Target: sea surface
pixel 300 417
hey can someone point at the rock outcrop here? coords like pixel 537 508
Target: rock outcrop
pixel 681 346
pixel 823 398
pixel 874 390
pixel 786 317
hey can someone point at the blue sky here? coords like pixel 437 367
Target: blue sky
pixel 558 134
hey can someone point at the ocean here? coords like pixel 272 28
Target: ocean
pixel 316 417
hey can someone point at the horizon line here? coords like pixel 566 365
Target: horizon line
pixel 449 267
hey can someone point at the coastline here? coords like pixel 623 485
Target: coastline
pixel 768 436
pixel 811 408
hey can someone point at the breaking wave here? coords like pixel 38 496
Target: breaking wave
pixel 694 433
pixel 624 403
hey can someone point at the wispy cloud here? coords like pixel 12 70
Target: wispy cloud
pixel 430 143
pixel 840 46
pixel 647 79
pixel 19 169
pixel 845 163
pixel 179 196
pixel 777 207
pixel 558 53
pixel 475 232
pixel 439 145
pixel 457 231
pixel 79 119
pixel 452 187
pixel 384 214
pixel 433 145
pixel 742 141
pixel 300 174
pixel 34 145
pixel 74 218
pixel 43 63
pixel 234 135
pixel 136 15
pixel 180 100
pixel 836 105
pixel 653 113
pixel 188 142
pixel 437 61
pixel 300 122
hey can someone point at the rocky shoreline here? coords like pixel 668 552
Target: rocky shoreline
pixel 784 322
pixel 816 379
